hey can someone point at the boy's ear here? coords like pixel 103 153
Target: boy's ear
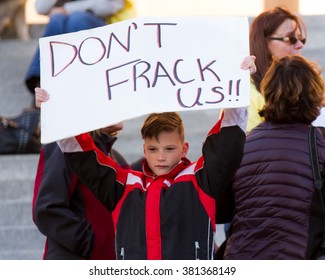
pixel 185 149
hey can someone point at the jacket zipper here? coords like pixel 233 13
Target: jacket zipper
pixel 122 254
pixel 197 250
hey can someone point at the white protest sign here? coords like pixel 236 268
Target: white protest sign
pixel 105 75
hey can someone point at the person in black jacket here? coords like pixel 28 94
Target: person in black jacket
pixel 277 209
pixel 76 225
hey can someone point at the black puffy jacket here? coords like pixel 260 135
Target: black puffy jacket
pixel 278 213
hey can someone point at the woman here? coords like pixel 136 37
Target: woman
pixel 277 210
pixel 273 34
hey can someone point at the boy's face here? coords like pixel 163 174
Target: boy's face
pixel 164 154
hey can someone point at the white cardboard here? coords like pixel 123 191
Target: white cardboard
pixel 105 75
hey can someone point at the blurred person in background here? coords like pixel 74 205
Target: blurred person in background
pixel 273 34
pixel 69 16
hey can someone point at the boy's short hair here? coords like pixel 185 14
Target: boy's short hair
pixel 156 123
pixel 293 89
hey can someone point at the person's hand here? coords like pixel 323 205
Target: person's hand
pixel 113 129
pixel 41 95
pixel 249 63
pixel 239 116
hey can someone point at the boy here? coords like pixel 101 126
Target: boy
pixel 168 210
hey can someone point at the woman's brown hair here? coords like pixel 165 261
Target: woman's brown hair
pixel 293 90
pixel 262 27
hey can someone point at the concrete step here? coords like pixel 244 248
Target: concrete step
pixel 15 57
pixel 19 237
pixel 21 243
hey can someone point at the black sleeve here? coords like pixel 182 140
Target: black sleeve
pixel 225 206
pixel 99 172
pixel 222 154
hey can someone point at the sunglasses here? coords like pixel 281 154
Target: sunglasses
pixel 291 40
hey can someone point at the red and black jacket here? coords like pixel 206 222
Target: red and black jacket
pixel 171 216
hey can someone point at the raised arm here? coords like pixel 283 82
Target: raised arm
pixel 99 172
pixel 223 148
